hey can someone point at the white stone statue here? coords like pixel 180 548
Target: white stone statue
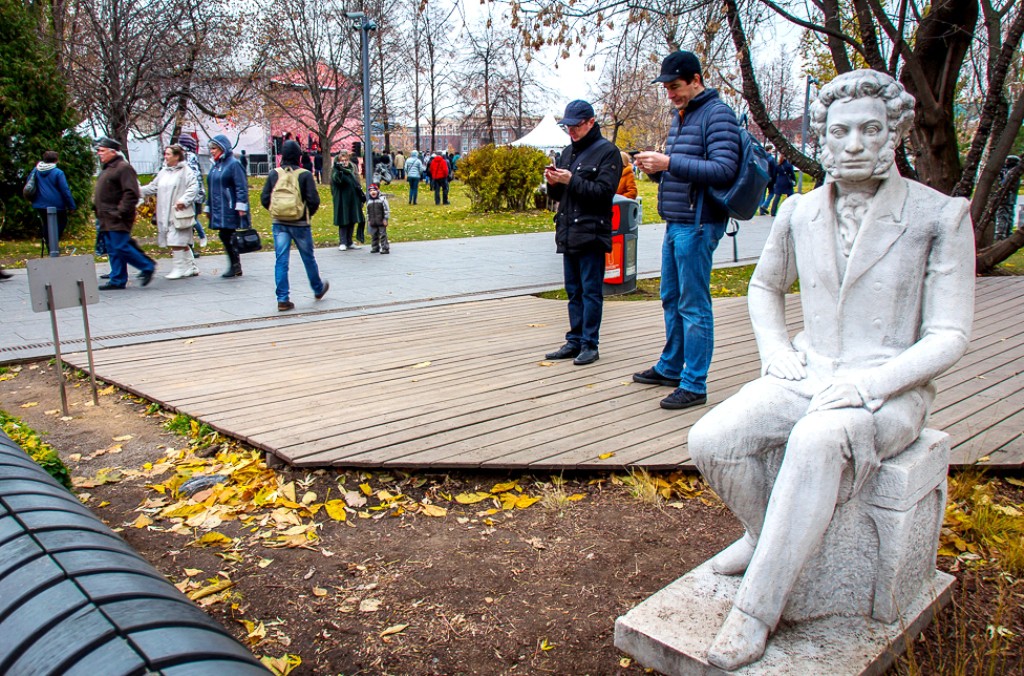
pixel 886 270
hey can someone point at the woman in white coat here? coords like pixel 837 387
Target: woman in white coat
pixel 175 188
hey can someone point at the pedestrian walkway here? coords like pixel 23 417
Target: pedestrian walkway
pixel 415 274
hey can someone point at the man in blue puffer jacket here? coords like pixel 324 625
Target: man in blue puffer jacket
pixel 703 151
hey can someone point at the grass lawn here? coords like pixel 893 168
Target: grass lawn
pixel 409 223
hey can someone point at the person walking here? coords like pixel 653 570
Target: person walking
pixel 785 180
pixel 773 173
pixel 702 151
pixel 191 147
pixel 439 171
pixel 51 191
pixel 1004 212
pixel 318 166
pixel 228 200
pixel 243 159
pixel 114 199
pixel 414 171
pixel 378 213
pixel 399 165
pixel 348 199
pixel 175 189
pixel 291 197
pixel 584 182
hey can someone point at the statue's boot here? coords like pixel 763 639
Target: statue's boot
pixel 734 559
pixel 740 641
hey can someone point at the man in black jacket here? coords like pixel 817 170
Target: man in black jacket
pixel 292 227
pixel 583 183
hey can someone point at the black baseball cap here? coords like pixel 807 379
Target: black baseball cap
pixel 677 65
pixel 577 111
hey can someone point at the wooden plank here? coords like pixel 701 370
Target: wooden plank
pixel 344 391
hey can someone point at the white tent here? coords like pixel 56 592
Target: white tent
pixel 547 136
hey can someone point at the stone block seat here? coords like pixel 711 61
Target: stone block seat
pixel 879 551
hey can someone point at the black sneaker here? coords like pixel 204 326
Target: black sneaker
pixel 567 351
pixel 652 377
pixel 683 399
pixel 146 276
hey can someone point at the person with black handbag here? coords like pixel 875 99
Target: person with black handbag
pixel 227 200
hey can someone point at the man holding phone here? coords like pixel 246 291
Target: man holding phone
pixel 583 181
pixel 702 151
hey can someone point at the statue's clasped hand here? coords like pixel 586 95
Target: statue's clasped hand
pixel 837 395
pixel 788 365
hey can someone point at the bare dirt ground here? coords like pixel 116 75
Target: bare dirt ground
pixel 418 578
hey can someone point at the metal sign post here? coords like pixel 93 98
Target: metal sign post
pixel 56 283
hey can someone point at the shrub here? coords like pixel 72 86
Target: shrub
pixel 40 451
pixel 502 179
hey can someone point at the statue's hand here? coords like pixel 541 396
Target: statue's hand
pixel 788 365
pixel 837 395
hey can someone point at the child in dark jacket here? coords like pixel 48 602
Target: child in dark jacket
pixel 377 215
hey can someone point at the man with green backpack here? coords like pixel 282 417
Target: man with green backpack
pixel 291 196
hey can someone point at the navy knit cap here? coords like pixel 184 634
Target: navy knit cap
pixel 186 141
pixel 577 111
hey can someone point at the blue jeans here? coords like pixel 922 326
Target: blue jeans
pixel 686 302
pixel 121 254
pixel 414 189
pixel 584 277
pixel 284 235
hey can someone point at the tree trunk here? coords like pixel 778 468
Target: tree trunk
pixel 941 45
pixel 991 256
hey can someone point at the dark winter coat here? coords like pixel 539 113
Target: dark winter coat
pixel 307 185
pixel 53 191
pixel 227 190
pixel 348 195
pixel 785 178
pixel 696 162
pixel 116 195
pixel 584 219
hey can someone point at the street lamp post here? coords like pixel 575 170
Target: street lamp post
pixel 803 129
pixel 364 26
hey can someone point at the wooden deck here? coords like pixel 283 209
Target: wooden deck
pixel 466 386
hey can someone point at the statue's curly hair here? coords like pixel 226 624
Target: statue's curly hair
pixel 899 105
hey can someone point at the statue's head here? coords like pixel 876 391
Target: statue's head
pixel 859 119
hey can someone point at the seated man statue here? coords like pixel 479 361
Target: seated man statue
pixel 886 269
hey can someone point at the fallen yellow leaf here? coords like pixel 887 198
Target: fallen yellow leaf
pixel 471 498
pixel 123 437
pixel 142 521
pixel 507 486
pixel 319 591
pixel 214 538
pixel 30 404
pixel 605 456
pixel 433 510
pixel 336 509
pixel 422 364
pixel 394 629
pixel 281 666
pixel 192 572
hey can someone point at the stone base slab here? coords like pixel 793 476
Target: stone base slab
pixel 672 630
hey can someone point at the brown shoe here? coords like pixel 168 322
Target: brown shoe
pixel 285 305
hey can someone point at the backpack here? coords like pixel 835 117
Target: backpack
pixel 30 190
pixel 286 199
pixel 744 196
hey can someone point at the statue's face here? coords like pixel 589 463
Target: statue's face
pixel 856 132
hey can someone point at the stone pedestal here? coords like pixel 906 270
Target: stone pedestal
pixel 673 629
pixel 870 583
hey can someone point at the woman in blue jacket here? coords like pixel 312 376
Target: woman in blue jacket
pixel 52 191
pixel 227 199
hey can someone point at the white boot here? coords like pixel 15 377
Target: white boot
pixel 189 263
pixel 179 269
